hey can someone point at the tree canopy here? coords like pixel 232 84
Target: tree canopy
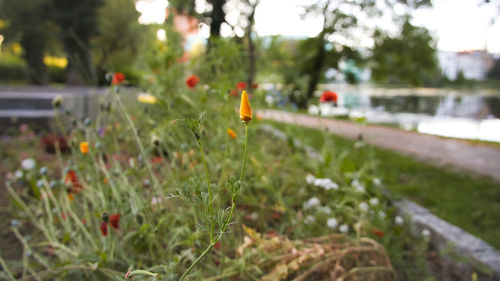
pixel 405 58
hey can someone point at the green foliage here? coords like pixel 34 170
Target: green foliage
pixel 77 22
pixel 121 40
pixel 12 68
pixel 223 64
pixel 407 58
pixel 445 192
pixel 26 23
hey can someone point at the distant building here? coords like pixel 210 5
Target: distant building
pixel 473 64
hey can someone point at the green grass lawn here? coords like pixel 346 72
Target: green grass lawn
pixel 468 201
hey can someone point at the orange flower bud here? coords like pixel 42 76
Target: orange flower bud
pixel 84 147
pixel 245 109
pixel 231 133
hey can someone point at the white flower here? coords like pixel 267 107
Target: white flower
pixel 310 179
pixel 325 183
pixel 426 233
pixel 254 216
pixel 344 228
pixel 382 214
pixel 325 209
pixel 309 219
pixel 313 202
pixel 18 174
pixel 377 181
pixel 318 182
pixel 331 185
pixel 358 186
pixel 374 201
pixel 28 163
pixel 332 223
pixel 155 200
pixel 398 220
pixel 39 183
pixel 363 206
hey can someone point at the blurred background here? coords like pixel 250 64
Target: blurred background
pixel 427 66
pixel 392 73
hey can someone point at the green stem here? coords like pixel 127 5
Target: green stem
pixel 193 265
pixel 6 269
pixel 233 198
pixel 245 153
pixel 209 190
pixel 139 144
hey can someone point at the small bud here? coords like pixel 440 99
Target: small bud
pixel 57 101
pixel 105 217
pixel 155 140
pixel 87 121
pixel 109 76
pixel 53 183
pixel 43 170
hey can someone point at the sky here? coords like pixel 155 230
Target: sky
pixel 457 25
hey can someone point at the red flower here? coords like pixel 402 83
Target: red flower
pixel 114 221
pixel 328 96
pixel 377 232
pixel 241 86
pixel 271 234
pixel 234 93
pixel 276 215
pixel 118 77
pixel 192 80
pixel 48 142
pixel 104 228
pixel 76 186
pixel 217 245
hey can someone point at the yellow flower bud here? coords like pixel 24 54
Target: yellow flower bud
pixel 231 133
pixel 84 147
pixel 245 109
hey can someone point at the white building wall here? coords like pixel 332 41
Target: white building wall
pixel 473 64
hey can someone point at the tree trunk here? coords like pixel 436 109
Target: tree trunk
pixel 217 16
pixel 34 46
pixel 251 48
pixel 318 63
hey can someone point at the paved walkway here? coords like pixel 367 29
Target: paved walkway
pixel 480 159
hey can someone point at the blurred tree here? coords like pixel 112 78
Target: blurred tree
pixel 77 21
pixel 494 72
pixel 27 23
pixel 250 20
pixel 120 38
pixel 213 15
pixel 407 58
pixel 340 18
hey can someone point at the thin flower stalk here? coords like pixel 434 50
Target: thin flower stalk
pixel 209 191
pixel 156 184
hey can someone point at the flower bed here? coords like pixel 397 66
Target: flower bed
pixel 178 185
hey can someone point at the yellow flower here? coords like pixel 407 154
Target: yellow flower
pixel 231 133
pixel 146 98
pixel 245 110
pixel 84 147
